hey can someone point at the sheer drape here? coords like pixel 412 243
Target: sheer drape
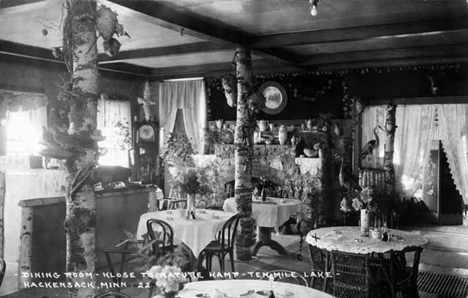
pixel 453 121
pixel 415 124
pixel 190 97
pixel 113 120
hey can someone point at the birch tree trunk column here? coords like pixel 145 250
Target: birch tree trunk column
pixel 243 153
pixel 390 128
pixel 80 222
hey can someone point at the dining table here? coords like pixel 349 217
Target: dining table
pixel 247 288
pixel 196 233
pixel 269 215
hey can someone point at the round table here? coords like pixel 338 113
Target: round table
pixel 238 287
pixel 268 215
pixel 349 239
pixel 196 234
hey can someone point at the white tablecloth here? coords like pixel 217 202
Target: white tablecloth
pixel 349 239
pixel 237 287
pixel 196 234
pixel 269 215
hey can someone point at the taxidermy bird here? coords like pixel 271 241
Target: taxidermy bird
pixel 368 148
pixel 348 184
pixel 146 101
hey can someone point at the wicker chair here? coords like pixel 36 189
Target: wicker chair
pixel 288 276
pixel 350 275
pixel 319 264
pixel 404 277
pixel 223 245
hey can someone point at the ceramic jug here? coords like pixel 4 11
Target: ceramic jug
pixel 219 123
pixel 310 123
pixel 263 124
pixel 282 135
pixel 338 129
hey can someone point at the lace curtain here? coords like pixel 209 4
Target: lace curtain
pixel 113 120
pixel 415 124
pixel 453 121
pixel 190 97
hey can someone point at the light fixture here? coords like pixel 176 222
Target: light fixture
pixel 313 7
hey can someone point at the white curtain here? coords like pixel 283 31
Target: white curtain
pixel 453 120
pixel 415 126
pixel 113 120
pixel 190 97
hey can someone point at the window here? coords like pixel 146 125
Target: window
pixel 24 130
pixel 114 122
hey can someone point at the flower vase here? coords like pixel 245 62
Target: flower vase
pixel 282 135
pixel 365 221
pixel 190 205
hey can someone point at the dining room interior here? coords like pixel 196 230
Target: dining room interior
pixel 233 148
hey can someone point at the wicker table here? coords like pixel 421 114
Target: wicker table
pixel 380 256
pixel 348 239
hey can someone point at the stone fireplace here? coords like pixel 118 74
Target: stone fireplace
pixel 307 179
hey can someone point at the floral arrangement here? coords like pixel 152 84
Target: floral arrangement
pixel 359 200
pixel 190 181
pixel 366 200
pixel 169 279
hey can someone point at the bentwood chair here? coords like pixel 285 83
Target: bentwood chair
pixel 111 294
pixel 350 275
pixel 161 237
pixel 2 270
pixel 287 276
pixel 222 245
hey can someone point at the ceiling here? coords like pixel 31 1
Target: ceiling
pixel 193 38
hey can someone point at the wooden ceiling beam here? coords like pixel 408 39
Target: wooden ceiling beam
pixel 186 49
pixel 185 23
pixel 10 50
pixel 403 53
pixel 416 61
pixel 214 69
pixel 359 33
pixel 14 6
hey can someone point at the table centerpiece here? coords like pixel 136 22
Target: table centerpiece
pixel 366 204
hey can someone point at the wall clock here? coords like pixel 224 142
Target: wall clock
pixel 146 134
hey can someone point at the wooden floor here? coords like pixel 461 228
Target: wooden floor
pixel 447 253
